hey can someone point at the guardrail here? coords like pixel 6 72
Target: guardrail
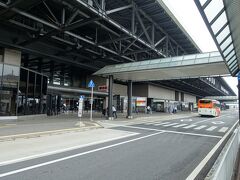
pixel 224 166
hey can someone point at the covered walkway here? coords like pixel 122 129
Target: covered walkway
pixel 196 65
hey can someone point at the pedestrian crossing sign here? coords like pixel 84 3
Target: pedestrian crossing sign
pixel 91 84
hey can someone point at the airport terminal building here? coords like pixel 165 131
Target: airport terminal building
pixel 49 51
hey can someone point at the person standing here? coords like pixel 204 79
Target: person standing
pixel 114 112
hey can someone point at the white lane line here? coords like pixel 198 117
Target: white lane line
pixel 158 124
pixel 167 125
pixel 211 128
pixel 180 125
pixel 209 119
pixel 175 132
pixel 190 126
pixel 74 156
pixel 223 129
pixel 200 127
pixel 3 163
pixel 201 165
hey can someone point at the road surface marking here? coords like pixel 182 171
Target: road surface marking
pixel 180 125
pixel 223 129
pixel 64 150
pixel 201 165
pixel 218 122
pixel 76 155
pixel 190 126
pixel 167 125
pixel 158 124
pixel 175 132
pixel 187 120
pixel 211 128
pixel 209 119
pixel 200 127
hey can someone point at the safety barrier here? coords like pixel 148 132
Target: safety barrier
pixel 224 166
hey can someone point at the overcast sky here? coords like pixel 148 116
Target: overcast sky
pixel 188 15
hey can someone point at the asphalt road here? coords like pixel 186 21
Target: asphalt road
pixel 166 150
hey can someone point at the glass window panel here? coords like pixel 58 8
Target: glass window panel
pixel 145 62
pixel 230 55
pixel 10 76
pixel 199 61
pixel 205 55
pixel 233 65
pixel 155 61
pixel 189 57
pixel 231 60
pixel 179 58
pixel 166 60
pixel 228 50
pixel 223 34
pixel 234 57
pixel 218 24
pixel 213 54
pixel 8 102
pixel 1 58
pixel 213 8
pixel 226 42
pixel 187 62
pixel 22 92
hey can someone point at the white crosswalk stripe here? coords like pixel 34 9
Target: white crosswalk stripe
pixel 223 129
pixel 167 125
pixel 190 126
pixel 211 128
pixel 180 125
pixel 158 124
pixel 200 127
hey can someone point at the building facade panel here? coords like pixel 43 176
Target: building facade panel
pixel 161 93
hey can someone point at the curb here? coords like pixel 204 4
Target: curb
pixel 45 133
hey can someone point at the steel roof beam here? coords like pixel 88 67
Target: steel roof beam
pixel 66 32
pixel 120 27
pixel 118 9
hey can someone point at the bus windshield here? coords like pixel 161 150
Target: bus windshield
pixel 205 101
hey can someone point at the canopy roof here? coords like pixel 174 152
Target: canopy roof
pixel 222 20
pixel 196 65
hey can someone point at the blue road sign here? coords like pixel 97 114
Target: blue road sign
pixel 91 84
pixel 82 97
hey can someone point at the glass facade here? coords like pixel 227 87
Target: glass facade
pixel 9 78
pixel 32 93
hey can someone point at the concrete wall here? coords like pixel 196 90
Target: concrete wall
pixel 12 57
pixel 160 93
pixel 119 89
pixel 189 98
pixel 140 90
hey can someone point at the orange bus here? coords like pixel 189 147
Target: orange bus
pixel 209 107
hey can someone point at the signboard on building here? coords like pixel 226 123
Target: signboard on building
pixel 103 88
pixel 141 101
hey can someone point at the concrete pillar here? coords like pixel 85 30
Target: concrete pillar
pixel 110 97
pixel 129 110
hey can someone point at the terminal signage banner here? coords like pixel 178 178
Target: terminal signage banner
pixel 141 101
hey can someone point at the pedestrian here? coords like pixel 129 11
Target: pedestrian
pixel 148 109
pixel 114 112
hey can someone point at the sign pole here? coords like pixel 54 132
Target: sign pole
pixel 80 108
pixel 91 85
pixel 91 104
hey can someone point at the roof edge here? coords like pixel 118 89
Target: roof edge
pixel 168 11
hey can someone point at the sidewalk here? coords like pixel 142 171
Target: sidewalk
pixel 48 125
